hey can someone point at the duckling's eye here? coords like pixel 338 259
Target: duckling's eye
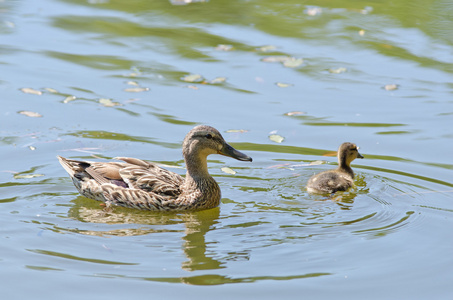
pixel 208 136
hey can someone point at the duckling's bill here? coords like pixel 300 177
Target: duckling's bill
pixel 358 153
pixel 227 150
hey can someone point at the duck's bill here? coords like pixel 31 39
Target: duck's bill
pixel 359 155
pixel 227 150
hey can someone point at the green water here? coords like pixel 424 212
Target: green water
pixel 109 78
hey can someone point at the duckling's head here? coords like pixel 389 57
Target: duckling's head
pixel 347 152
pixel 204 140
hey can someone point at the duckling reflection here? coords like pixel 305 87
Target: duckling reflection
pixel 129 222
pixel 340 179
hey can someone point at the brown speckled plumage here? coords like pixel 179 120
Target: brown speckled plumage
pixel 144 185
pixel 339 179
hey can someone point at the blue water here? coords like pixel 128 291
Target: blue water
pixel 388 238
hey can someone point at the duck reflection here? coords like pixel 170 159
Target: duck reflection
pixel 135 222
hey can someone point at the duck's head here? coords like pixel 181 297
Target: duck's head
pixel 204 140
pixel 347 153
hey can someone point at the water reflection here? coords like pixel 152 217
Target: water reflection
pixel 102 62
pixel 370 209
pixel 106 135
pixel 277 19
pixel 212 279
pixel 268 228
pixel 78 258
pixel 134 223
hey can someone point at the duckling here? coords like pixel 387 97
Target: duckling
pixel 136 183
pixel 339 179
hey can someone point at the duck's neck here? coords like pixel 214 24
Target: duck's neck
pixel 197 169
pixel 198 185
pixel 344 165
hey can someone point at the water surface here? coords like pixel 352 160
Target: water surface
pixel 111 78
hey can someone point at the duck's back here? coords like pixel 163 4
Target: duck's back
pixel 131 183
pixel 329 182
pixel 149 177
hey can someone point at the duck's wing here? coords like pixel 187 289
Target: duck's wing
pixel 133 183
pixel 133 173
pixel 100 172
pixel 149 177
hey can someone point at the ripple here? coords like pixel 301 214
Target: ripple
pixel 212 279
pixel 376 207
pixel 78 258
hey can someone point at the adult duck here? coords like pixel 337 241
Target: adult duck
pixel 144 185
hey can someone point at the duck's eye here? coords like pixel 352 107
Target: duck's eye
pixel 208 136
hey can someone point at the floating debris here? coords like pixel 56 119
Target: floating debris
pixel 218 80
pixel 228 170
pixel 197 78
pixel 287 61
pixel 223 47
pixel 295 113
pixel 267 48
pixel 293 62
pixel 108 102
pixel 278 58
pixel 362 32
pixel 313 11
pixel 31 91
pixel 316 162
pixel 27 176
pixel 32 148
pixel 51 90
pixel 276 138
pixel 338 70
pixel 31 114
pixel 132 74
pixel 192 78
pixel 136 90
pixel 283 85
pixel 391 87
pixel 134 83
pixel 69 99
